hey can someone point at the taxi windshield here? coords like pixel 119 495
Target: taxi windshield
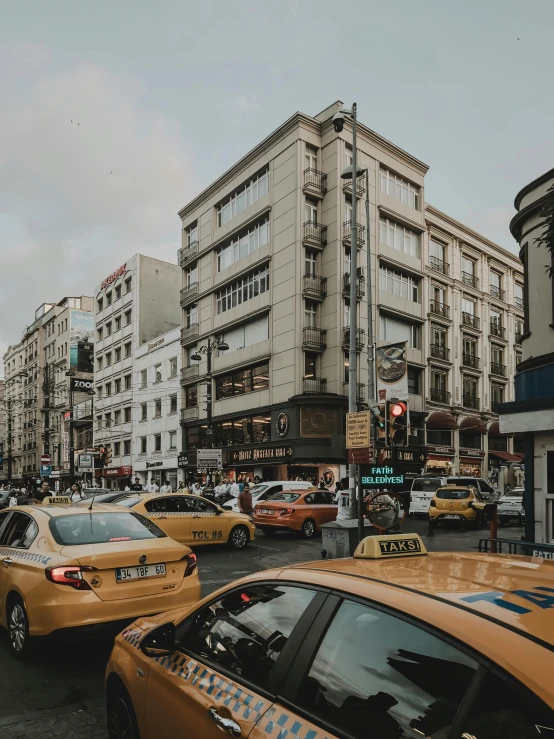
pixel 288 497
pixel 100 528
pixel 453 494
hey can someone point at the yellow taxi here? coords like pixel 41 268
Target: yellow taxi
pixel 455 503
pixel 193 520
pixel 393 642
pixel 65 569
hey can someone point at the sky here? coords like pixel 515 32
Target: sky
pixel 114 115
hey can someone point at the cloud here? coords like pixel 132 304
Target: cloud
pixel 89 175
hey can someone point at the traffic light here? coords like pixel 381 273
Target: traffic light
pixel 397 416
pixel 379 420
pixel 108 456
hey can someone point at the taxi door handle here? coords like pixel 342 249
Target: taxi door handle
pixel 7 561
pixel 226 724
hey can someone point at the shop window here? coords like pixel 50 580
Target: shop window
pixel 470 441
pixel 439 437
pixel 243 381
pixel 498 443
pixel 249 430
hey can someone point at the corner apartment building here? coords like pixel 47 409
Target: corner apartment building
pixel 266 264
pixel 37 388
pixel 134 305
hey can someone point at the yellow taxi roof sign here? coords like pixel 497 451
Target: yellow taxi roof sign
pixel 389 546
pixel 57 500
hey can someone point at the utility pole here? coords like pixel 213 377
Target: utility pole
pixel 9 407
pixel 370 342
pixel 46 392
pixel 71 441
pixel 352 352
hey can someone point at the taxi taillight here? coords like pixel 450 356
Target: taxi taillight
pixel 286 511
pixel 69 575
pixel 191 564
pixel 432 504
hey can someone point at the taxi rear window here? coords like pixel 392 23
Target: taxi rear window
pixel 286 496
pixel 453 494
pixel 100 528
pixel 127 502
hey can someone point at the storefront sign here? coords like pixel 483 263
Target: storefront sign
pixel 113 276
pixel 182 460
pixel 85 461
pixel 358 427
pixel 156 344
pixel 209 459
pixel 392 372
pixel 157 463
pixel 65 448
pixel 282 424
pixel 374 476
pixel 329 477
pixel 471 453
pixel 360 456
pixel 407 457
pixel 450 451
pixel 81 386
pixel 118 472
pixel 260 454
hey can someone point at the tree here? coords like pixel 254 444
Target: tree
pixel 546 239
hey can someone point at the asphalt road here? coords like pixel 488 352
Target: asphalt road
pixel 59 695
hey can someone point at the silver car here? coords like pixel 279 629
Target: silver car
pixel 510 507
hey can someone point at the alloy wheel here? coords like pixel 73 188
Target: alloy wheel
pixel 308 528
pixel 121 722
pixel 17 628
pixel 239 538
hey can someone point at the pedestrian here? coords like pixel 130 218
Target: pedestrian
pixel 166 487
pixel 235 489
pixel 76 493
pixel 245 500
pixel 136 485
pixel 151 486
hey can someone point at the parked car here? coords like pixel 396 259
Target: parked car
pixel 5 495
pixel 265 490
pixel 510 507
pixel 455 503
pixel 489 494
pixel 421 493
pixel 300 510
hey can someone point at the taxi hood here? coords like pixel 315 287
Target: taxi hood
pixel 126 553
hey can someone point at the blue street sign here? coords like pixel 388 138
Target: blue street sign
pixel 46 469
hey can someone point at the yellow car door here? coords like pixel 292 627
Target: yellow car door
pixel 208 524
pixel 171 514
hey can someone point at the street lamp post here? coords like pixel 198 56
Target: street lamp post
pixel 70 373
pixel 218 344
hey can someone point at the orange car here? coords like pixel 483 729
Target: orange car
pixel 296 510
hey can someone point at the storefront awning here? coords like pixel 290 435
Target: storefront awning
pixel 474 424
pixel 494 430
pixel 441 420
pixel 506 456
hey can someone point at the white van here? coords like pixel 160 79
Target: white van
pixel 264 490
pixel 422 492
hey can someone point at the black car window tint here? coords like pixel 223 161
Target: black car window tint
pixel 14 534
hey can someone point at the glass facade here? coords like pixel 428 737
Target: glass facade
pixel 247 430
pixel 243 197
pixel 243 381
pixel 244 244
pixel 240 291
pixel 398 284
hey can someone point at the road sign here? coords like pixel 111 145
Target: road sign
pixel 209 459
pixel 45 459
pixel 182 460
pixel 363 455
pixel 85 461
pixel 357 429
pixel 46 470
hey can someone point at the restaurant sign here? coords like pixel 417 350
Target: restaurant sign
pixel 258 454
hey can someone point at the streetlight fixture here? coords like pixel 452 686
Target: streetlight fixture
pixel 218 344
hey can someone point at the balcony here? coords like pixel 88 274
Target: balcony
pixel 360 334
pixel 440 352
pixel 189 414
pixel 347 233
pixel 438 265
pixel 497 330
pixel 440 396
pixel 188 253
pixel 189 293
pixel 498 369
pixel 360 391
pixel 471 401
pixel 469 279
pixel 360 286
pixel 519 338
pixel 314 385
pixel 314 287
pixel 314 234
pixel 496 292
pixel 439 309
pixel 315 182
pixel 471 361
pixel 314 338
pixel 470 320
pixel 190 333
pixel 518 302
pixel 189 374
pixel 360 186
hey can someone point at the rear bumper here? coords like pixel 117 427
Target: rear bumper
pixel 419 506
pixel 451 516
pixel 53 612
pixel 274 523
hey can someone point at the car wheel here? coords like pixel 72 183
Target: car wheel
pixel 239 537
pixel 18 628
pixel 268 531
pixel 309 528
pixel 122 721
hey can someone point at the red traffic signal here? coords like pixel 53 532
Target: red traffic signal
pixel 398 409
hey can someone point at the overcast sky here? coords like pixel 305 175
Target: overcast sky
pixel 114 114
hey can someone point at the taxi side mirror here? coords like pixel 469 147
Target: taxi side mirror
pixel 160 641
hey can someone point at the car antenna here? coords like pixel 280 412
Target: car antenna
pixel 91 503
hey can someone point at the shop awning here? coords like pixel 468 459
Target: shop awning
pixel 441 420
pixel 494 430
pixel 475 424
pixel 506 456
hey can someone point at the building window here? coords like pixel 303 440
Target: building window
pixel 518 295
pixel 242 198
pixel 310 366
pixel 242 245
pixel 143 411
pixel 127 318
pixel 495 284
pixel 128 350
pixel 128 282
pixel 399 237
pixel 191 396
pixel 108 299
pixel 414 381
pixel 399 189
pixel 242 290
pixel 117 292
pixel 99 363
pixel 100 333
pixel 157 407
pixel 310 263
pixel 108 329
pixel 468 306
pixel 191 275
pixel 469 387
pixel 127 414
pixel 117 322
pixel 108 389
pixel 247 334
pixel 439 437
pixel 398 284
pixel 191 235
pixel 108 359
pixel 469 346
pixel 143 378
pixel 117 385
pixel 117 354
pixel 173 440
pixel 157 373
pixel 392 330
pixel 517 358
pixel 173 404
pixel 99 305
pixel 127 447
pixel 242 381
pixel 117 418
pixel 127 382
pixel 191 316
pixel 143 444
pixel 173 367
pixel 496 318
pixel 310 314
pixel 470 440
pixel 437 251
pixel 497 394
pixel 116 448
pixel 310 157
pixel 157 442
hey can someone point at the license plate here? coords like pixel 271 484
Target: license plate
pixel 449 516
pixel 122 574
pixel 263 510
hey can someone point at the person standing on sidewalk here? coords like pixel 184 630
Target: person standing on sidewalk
pixel 245 500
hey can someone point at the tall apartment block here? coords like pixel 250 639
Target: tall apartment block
pixel 265 262
pixel 38 391
pixel 133 305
